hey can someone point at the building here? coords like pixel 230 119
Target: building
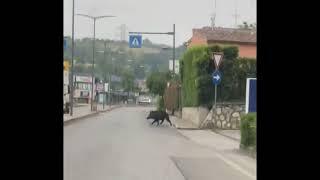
pixel 245 39
pixel 82 88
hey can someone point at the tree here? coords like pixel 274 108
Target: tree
pixel 156 82
pixel 139 71
pixel 245 25
pixel 253 26
pixel 147 42
pixel 80 68
pixel 128 81
pixel 145 61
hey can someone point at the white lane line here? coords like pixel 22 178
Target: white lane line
pixel 234 165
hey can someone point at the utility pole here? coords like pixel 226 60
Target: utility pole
pixel 72 53
pixel 109 86
pixel 236 15
pixel 213 18
pixel 92 69
pixel 174 49
pixel 104 54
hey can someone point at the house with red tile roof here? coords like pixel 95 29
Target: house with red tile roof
pixel 245 39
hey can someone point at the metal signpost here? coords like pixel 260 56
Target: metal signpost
pixel 134 41
pixel 216 79
pixel 217 57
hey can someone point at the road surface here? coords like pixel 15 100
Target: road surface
pixel 122 145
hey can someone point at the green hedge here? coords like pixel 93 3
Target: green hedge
pixel 248 130
pixel 196 68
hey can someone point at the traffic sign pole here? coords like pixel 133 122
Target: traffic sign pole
pixel 217 57
pixel 173 33
pixel 216 79
pixel 215 96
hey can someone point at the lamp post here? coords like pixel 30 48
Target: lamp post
pixel 94 18
pixel 72 53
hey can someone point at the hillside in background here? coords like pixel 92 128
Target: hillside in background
pixel 118 58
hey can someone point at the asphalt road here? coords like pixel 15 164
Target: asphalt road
pixel 122 145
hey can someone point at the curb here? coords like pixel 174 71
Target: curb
pixel 80 117
pixel 215 131
pixel 89 115
pixel 106 110
pixel 182 128
pixel 250 152
pixel 185 128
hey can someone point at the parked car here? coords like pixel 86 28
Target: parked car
pixel 130 101
pixel 144 100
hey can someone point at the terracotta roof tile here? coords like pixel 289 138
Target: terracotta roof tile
pixel 228 34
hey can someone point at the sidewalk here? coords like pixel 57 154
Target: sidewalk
pixel 180 124
pixel 233 134
pixel 224 147
pixel 82 111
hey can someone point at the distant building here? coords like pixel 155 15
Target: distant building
pixel 82 88
pixel 246 40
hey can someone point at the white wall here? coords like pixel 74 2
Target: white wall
pixel 194 114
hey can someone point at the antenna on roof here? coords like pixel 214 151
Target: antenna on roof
pixel 236 15
pixel 213 16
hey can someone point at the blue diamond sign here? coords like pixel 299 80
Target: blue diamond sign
pixel 216 77
pixel 135 41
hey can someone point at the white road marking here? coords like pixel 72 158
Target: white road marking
pixel 234 165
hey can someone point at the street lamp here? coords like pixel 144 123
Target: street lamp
pixel 93 52
pixel 72 53
pixel 104 53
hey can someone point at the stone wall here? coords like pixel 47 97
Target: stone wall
pixel 225 116
pixel 196 115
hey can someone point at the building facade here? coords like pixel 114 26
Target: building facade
pixel 82 89
pixel 244 39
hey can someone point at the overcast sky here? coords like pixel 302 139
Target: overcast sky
pixel 154 16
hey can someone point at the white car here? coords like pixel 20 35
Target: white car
pixel 144 100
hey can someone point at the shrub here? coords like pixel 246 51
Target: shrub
pixel 248 130
pixel 156 82
pixel 196 68
pixel 160 104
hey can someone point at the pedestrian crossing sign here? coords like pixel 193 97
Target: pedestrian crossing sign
pixel 135 41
